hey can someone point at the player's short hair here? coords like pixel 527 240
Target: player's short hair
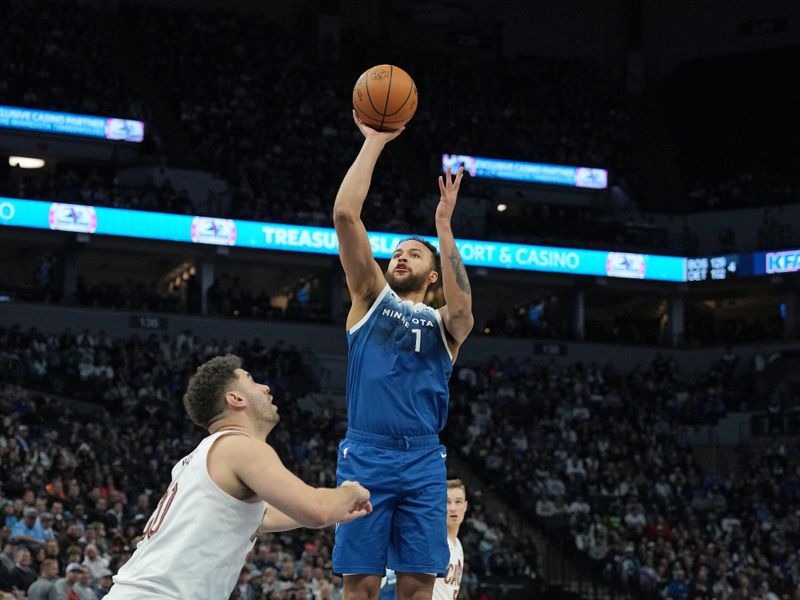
pixel 453 484
pixel 203 399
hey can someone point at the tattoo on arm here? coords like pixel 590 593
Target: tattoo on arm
pixel 460 271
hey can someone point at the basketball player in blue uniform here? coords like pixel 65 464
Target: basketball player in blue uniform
pixel 401 353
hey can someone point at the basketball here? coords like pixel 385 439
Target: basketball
pixel 385 98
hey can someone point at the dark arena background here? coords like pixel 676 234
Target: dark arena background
pixel 625 413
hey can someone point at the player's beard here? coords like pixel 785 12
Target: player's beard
pixel 273 417
pixel 411 283
pixel 269 415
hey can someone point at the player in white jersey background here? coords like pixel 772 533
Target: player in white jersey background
pixel 232 487
pixel 447 587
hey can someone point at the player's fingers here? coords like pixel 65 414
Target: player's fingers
pixel 441 185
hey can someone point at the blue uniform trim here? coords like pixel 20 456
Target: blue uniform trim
pixel 391 442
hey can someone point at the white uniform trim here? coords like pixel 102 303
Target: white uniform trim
pixel 372 308
pixel 214 484
pixel 444 334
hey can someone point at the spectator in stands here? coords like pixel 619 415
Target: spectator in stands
pixel 102 584
pixel 94 562
pixel 66 586
pixel 84 586
pixel 43 587
pixel 7 556
pixel 23 574
pixel 677 589
pixel 29 532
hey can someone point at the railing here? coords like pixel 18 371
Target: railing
pixel 570 573
pixel 509 589
pixel 775 424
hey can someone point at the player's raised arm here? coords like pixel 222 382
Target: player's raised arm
pixel 457 312
pixel 364 276
pixel 258 466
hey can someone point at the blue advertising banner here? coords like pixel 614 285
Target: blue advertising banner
pixel 106 128
pixel 515 170
pixel 778 262
pixel 322 240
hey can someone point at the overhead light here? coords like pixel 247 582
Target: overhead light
pixel 501 207
pixel 25 162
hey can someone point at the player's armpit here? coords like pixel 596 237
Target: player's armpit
pixel 457 324
pixel 259 468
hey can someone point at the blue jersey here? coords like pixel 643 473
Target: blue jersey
pixel 399 364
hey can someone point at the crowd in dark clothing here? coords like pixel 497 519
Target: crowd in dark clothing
pixel 94 367
pixel 56 58
pixel 745 190
pixel 88 475
pixel 597 457
pixel 95 186
pixel 282 142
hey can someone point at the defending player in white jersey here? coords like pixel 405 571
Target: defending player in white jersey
pixel 446 588
pixel 232 487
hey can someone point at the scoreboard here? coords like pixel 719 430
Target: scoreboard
pixel 728 266
pixel 716 268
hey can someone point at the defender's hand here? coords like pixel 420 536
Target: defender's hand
pixel 362 506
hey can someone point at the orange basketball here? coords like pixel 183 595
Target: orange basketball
pixel 385 97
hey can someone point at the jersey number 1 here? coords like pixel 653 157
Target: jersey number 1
pixel 417 334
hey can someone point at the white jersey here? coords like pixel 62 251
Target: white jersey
pixel 446 588
pixel 195 543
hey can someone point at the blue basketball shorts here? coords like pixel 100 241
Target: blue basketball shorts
pixel 407 529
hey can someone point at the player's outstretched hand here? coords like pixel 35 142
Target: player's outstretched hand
pixel 448 189
pixel 369 132
pixel 362 506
